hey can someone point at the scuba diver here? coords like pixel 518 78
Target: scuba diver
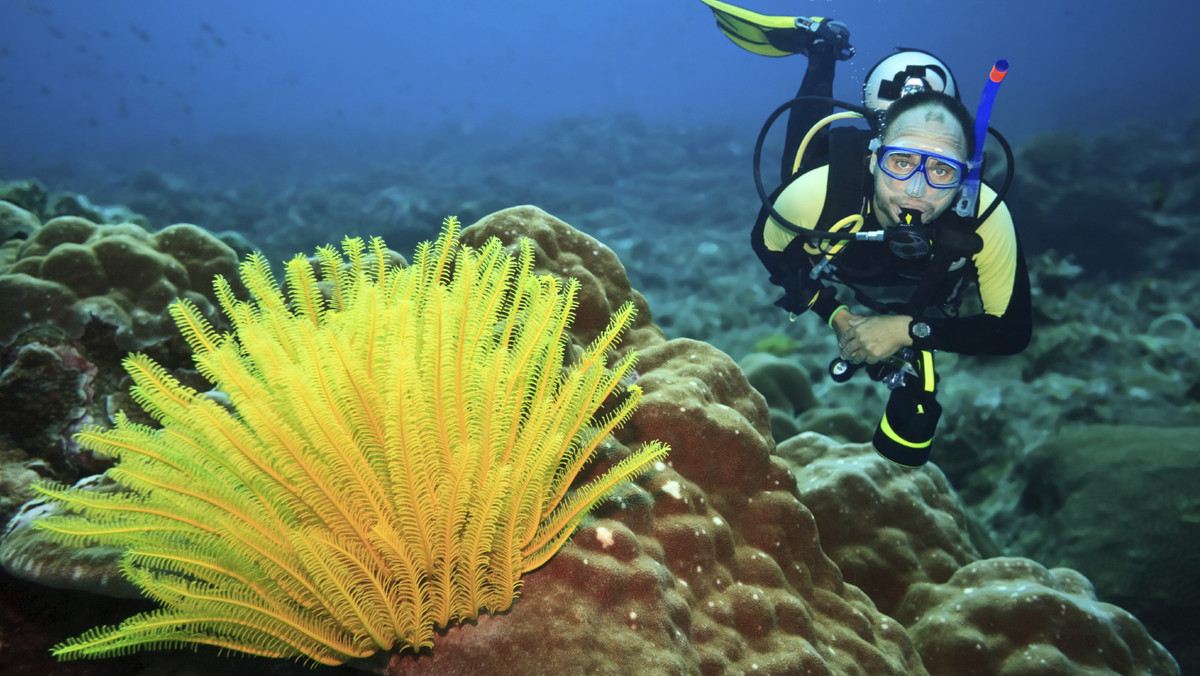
pixel 894 214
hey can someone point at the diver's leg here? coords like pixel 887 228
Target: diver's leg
pixel 818 81
pixel 832 45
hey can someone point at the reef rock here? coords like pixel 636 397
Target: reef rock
pixel 794 406
pixel 15 222
pixel 27 555
pixel 710 564
pixel 886 527
pixel 732 558
pixel 72 270
pixel 1095 491
pixel 1014 617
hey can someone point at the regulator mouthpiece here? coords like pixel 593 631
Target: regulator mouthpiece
pixel 910 217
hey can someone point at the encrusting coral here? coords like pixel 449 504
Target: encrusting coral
pixel 71 271
pixel 1015 617
pixel 400 451
pixel 902 536
pixel 885 526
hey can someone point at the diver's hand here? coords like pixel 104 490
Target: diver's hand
pixel 869 339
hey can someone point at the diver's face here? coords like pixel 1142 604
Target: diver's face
pixel 930 129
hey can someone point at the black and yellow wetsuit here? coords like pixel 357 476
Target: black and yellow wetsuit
pixel 835 182
pixel 883 281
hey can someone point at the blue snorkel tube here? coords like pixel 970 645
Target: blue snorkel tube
pixel 969 197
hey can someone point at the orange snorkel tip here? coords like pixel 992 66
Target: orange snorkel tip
pixel 999 70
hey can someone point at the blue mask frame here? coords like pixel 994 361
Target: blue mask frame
pixel 960 166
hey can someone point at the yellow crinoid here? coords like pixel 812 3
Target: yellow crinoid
pixel 400 449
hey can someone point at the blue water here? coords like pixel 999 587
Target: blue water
pixel 87 76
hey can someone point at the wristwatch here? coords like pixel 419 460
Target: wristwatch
pixel 918 329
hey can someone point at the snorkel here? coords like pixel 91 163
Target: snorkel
pixel 969 197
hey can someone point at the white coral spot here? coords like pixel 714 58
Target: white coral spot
pixel 674 489
pixel 604 536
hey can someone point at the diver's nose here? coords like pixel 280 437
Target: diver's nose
pixel 916 185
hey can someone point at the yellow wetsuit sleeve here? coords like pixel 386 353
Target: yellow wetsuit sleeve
pixel 801 203
pixel 996 262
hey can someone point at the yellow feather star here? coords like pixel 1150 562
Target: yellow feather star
pixel 400 451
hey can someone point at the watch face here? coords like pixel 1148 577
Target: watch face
pixel 920 330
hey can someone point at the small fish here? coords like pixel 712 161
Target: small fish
pixel 39 9
pixel 212 32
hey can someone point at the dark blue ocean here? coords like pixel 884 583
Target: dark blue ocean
pixel 84 77
pixel 465 107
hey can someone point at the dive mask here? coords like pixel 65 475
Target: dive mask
pixel 940 172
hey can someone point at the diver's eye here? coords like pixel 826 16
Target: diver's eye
pixel 901 161
pixel 941 172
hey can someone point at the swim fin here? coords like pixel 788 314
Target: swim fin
pixel 778 35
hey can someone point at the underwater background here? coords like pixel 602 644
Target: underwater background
pixel 281 126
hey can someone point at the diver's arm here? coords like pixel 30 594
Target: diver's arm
pixel 986 334
pixel 789 270
pixel 1006 324
pixel 782 251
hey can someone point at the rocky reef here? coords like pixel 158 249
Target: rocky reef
pixel 737 555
